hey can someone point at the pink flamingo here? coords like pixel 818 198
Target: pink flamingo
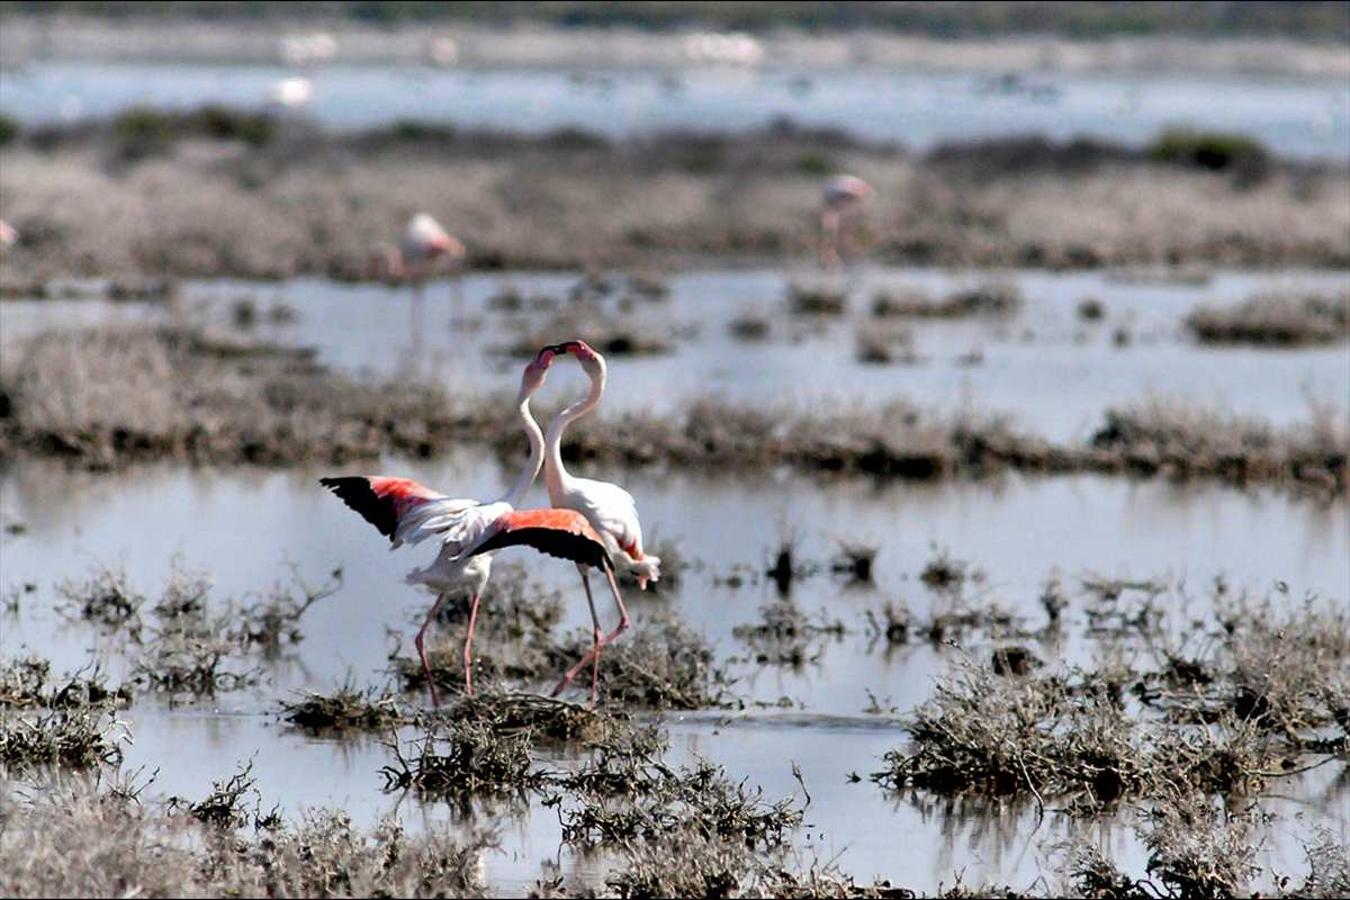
pixel 408 512
pixel 423 246
pixel 843 194
pixel 9 235
pixel 610 509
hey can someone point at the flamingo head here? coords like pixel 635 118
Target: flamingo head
pixel 591 361
pixel 537 370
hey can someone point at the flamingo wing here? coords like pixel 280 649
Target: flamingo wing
pixel 400 508
pixel 610 509
pixel 564 533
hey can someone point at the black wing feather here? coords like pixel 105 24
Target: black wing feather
pixel 554 542
pixel 356 492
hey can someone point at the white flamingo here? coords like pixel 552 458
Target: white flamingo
pixel 423 246
pixel 611 510
pixel 408 512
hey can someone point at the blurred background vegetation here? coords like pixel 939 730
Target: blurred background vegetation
pixel 1323 20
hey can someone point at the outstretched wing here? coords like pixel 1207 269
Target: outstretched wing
pixel 564 533
pixel 400 508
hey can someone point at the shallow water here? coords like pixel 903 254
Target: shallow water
pixel 1295 117
pixel 1052 373
pixel 243 526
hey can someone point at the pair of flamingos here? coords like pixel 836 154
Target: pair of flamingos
pixel 590 523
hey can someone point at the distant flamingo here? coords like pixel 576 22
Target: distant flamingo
pixel 842 195
pixel 408 512
pixel 9 235
pixel 610 509
pixel 422 247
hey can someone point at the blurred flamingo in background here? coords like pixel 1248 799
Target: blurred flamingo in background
pixel 9 235
pixel 611 510
pixel 408 512
pixel 423 246
pixel 843 195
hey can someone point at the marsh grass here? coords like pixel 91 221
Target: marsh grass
pixel 1289 319
pixel 659 664
pixel 786 636
pixel 1265 701
pixel 27 682
pixel 345 709
pixel 110 397
pixel 76 738
pixel 541 718
pixel 991 299
pixel 816 300
pixel 82 841
pixel 470 758
pixel 626 793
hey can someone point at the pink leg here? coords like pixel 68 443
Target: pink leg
pixel 420 642
pixel 468 647
pixel 623 610
pixel 593 656
pixel 601 642
pixel 829 245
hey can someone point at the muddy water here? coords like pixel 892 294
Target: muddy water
pixel 1293 116
pixel 1052 373
pixel 243 527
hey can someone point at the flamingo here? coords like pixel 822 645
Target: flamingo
pixel 423 245
pixel 408 512
pixel 9 235
pixel 611 510
pixel 842 195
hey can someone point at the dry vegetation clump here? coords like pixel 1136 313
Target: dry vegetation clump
pixel 1090 309
pixel 469 758
pixel 1273 666
pixel 659 664
pixel 27 682
pixel 75 738
pixel 345 709
pixel 750 327
pixel 1180 442
pixel 1008 736
pixel 992 299
pixel 816 300
pixel 111 396
pixel 786 636
pixel 1199 849
pixel 78 841
pixel 105 598
pixel 626 793
pixel 183 643
pixel 855 560
pixel 542 718
pixel 1275 319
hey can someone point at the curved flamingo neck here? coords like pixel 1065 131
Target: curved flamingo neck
pixel 535 462
pixel 556 477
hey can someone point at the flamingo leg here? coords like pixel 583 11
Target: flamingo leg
pixel 592 655
pixel 468 646
pixel 601 642
pixel 623 610
pixel 829 249
pixel 420 642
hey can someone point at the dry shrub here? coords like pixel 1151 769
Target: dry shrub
pixel 1275 319
pixel 79 842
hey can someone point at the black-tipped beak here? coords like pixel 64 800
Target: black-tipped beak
pixel 558 349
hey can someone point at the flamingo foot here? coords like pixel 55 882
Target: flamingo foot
pixel 592 656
